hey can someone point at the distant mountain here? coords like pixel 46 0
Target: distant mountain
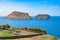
pixel 43 16
pixel 18 15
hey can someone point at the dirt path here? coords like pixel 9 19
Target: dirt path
pixel 24 32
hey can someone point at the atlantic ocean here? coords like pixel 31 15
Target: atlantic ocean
pixel 52 25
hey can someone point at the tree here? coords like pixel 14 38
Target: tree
pixel 0 27
pixel 6 26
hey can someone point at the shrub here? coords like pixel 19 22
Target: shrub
pixel 44 31
pixel 25 28
pixel 6 26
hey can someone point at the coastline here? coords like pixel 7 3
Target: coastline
pixel 24 23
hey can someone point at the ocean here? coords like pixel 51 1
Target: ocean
pixel 52 25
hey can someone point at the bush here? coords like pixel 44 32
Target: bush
pixel 34 29
pixel 6 26
pixel 44 31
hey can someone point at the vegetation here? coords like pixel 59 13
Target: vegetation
pixel 47 37
pixel 42 37
pixel 14 29
pixel 2 33
pixel 6 26
pixel 42 30
pixel 34 29
pixel 38 30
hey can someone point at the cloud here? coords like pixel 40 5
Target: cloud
pixel 31 8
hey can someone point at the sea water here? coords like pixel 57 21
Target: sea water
pixel 52 25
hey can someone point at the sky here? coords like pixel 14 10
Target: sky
pixel 33 7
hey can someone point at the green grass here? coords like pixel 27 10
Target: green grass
pixel 5 33
pixel 46 37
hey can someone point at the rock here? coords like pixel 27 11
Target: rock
pixel 42 16
pixel 18 15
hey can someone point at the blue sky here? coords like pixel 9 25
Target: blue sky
pixel 33 7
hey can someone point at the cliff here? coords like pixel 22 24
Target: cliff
pixel 18 15
pixel 42 16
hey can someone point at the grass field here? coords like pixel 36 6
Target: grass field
pixel 2 33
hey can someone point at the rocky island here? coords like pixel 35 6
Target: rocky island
pixel 18 15
pixel 22 15
pixel 42 16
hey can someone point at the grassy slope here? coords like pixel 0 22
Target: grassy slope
pixel 44 37
pixel 5 34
